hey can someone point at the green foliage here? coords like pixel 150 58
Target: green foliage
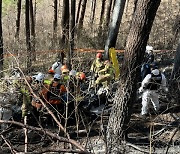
pixel 6 4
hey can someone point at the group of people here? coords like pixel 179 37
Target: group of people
pixel 54 86
pixel 59 81
pixel 152 81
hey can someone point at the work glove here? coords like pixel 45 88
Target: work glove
pixel 140 90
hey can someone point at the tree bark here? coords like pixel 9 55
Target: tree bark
pixel 176 69
pixel 55 23
pixel 114 26
pixel 28 38
pixel 65 27
pixel 71 31
pixel 33 34
pixel 1 43
pixel 78 11
pixel 174 81
pixel 102 13
pixel 83 10
pixel 133 55
pixel 18 19
pixel 93 11
pixel 108 12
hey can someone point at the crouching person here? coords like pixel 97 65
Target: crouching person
pixel 106 75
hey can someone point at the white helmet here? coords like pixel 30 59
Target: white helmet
pixel 149 49
pixel 72 73
pixel 57 76
pixel 39 77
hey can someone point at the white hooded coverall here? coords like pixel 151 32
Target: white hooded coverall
pixel 150 94
pixel 57 67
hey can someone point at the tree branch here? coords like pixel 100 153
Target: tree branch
pixel 54 136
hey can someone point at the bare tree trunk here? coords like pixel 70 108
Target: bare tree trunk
pixel 71 30
pixel 174 89
pixel 18 19
pixel 176 69
pixel 33 34
pixel 1 42
pixel 65 28
pixel 83 10
pixel 102 13
pixel 93 11
pixel 28 40
pixel 108 12
pixel 133 55
pixel 54 41
pixel 78 11
pixel 114 26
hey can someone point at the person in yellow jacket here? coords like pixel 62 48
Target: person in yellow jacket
pixel 26 103
pixel 65 74
pixel 106 74
pixel 97 64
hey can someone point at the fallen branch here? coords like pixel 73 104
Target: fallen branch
pixel 58 150
pixel 54 136
pixel 137 148
pixel 9 145
pixel 175 131
pixel 166 127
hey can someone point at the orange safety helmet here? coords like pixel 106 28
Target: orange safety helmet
pixel 64 67
pixel 82 76
pixel 99 55
pixel 51 71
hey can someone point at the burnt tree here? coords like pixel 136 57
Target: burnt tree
pixel 102 13
pixel 1 42
pixel 93 10
pixel 83 10
pixel 71 30
pixel 55 23
pixel 18 19
pixel 33 34
pixel 108 12
pixel 174 81
pixel 114 26
pixel 65 28
pixel 78 11
pixel 133 55
pixel 28 38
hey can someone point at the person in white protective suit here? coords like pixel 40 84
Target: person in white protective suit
pixel 149 89
pixel 149 55
pixel 39 77
pixel 56 68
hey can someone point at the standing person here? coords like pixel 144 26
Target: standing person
pixel 96 66
pixel 27 97
pixel 149 89
pixel 149 55
pixel 148 60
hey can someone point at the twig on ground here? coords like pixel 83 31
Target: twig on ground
pixel 54 136
pixel 9 145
